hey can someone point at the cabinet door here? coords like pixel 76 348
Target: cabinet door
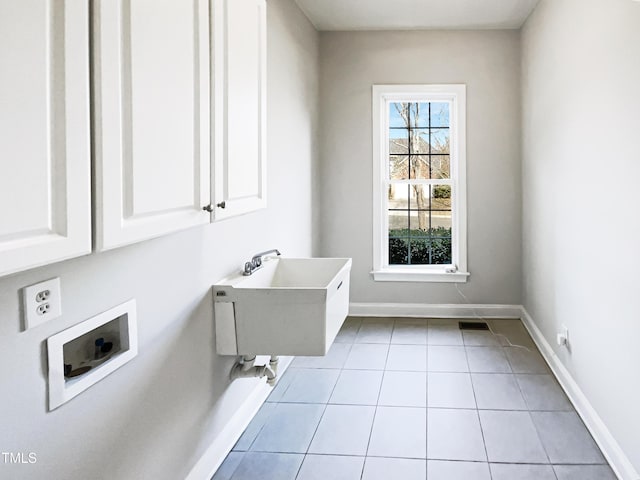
pixel 239 106
pixel 151 104
pixel 45 199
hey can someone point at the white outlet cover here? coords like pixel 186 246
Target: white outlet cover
pixel 30 304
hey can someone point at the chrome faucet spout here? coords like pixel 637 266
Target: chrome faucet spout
pixel 256 261
pixel 257 258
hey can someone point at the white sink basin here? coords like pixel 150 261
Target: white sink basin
pixel 290 306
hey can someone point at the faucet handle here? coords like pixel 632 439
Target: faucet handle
pixel 256 261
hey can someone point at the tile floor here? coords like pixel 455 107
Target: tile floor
pixel 410 399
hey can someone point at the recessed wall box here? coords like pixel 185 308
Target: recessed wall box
pixel 86 353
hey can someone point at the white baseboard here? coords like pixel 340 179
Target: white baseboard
pixel 224 442
pixel 434 310
pixel 610 448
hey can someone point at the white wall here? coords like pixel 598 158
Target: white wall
pixel 155 417
pixel 581 227
pixel 488 62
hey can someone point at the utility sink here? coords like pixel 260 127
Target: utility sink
pixel 289 306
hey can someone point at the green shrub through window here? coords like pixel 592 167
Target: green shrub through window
pixel 420 247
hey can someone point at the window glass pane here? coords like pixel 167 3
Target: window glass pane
pixel 440 166
pixel 419 140
pixel 439 114
pixel 398 251
pixel 419 115
pixel 441 250
pixel 440 223
pixel 398 114
pixel 398 142
pixel 398 197
pixel 419 167
pixel 398 223
pixel 419 197
pixel 420 251
pixel 439 140
pixel 398 167
pixel 418 222
pixel 440 197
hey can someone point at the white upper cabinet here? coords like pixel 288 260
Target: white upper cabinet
pixel 151 118
pixel 45 199
pixel 239 106
pixel 166 152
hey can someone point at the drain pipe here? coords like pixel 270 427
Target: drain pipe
pixel 245 368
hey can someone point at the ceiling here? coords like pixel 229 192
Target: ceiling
pixel 416 14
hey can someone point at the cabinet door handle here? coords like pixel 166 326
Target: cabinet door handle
pixel 209 208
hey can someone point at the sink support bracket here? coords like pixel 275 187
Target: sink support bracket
pixel 245 368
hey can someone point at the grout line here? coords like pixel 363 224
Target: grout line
pixel 526 402
pixel 236 467
pixel 451 460
pixel 426 403
pixel 432 407
pixel 375 413
pixel 535 428
pixel 326 405
pixel 286 388
pixel 475 399
pixel 259 430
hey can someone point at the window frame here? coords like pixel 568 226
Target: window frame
pixel 382 97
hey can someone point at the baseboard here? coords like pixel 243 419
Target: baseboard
pixel 224 442
pixel 434 310
pixel 610 448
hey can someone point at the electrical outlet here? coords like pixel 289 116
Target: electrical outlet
pixel 43 309
pixel 562 339
pixel 41 302
pixel 43 296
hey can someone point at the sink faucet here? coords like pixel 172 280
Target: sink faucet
pixel 256 261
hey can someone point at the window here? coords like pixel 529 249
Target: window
pixel 419 183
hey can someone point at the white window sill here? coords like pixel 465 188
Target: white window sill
pixel 403 275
